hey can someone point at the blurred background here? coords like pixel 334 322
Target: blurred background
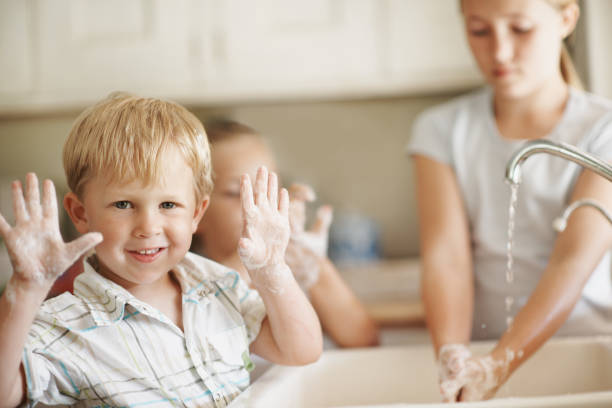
pixel 334 84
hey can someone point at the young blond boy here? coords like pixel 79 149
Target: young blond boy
pixel 149 323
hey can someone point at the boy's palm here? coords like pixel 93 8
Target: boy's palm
pixel 36 248
pixel 266 227
pixel 266 223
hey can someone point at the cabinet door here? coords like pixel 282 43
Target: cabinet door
pixel 90 48
pixel 428 47
pixel 295 48
pixel 15 49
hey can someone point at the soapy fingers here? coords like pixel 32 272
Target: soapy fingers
pixel 306 248
pixel 452 360
pixel 265 231
pixel 470 378
pixel 35 246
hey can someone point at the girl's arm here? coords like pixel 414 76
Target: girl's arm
pixel 576 253
pixel 447 276
pixel 342 315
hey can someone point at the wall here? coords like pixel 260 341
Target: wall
pixel 350 151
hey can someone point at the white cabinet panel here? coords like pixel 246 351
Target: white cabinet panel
pixel 88 48
pixel 68 53
pixel 15 48
pixel 427 45
pixel 275 47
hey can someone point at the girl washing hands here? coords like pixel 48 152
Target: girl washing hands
pixel 561 281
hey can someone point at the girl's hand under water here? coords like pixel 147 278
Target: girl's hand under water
pixel 470 378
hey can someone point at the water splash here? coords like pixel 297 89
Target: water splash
pixel 509 247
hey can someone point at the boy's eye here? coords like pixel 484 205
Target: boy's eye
pixel 122 205
pixel 167 205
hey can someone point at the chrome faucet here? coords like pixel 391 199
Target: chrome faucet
pixel 566 151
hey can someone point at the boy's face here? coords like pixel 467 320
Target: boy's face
pixel 221 227
pixel 147 229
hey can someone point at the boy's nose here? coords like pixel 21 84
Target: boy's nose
pixel 147 225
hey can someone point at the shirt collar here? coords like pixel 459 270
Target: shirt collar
pixel 107 300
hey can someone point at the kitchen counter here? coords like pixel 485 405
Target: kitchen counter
pixel 389 289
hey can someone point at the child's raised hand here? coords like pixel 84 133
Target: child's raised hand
pixel 265 233
pixel 306 247
pixel 35 246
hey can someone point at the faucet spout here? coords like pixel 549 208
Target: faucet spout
pixel 564 150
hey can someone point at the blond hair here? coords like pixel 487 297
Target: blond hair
pixel 568 69
pixel 124 136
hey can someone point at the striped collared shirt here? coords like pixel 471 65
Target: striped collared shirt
pixel 102 347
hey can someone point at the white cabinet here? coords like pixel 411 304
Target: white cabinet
pixel 337 48
pixel 427 46
pixel 94 45
pixel 69 53
pixel 16 62
pixel 76 52
pixel 294 48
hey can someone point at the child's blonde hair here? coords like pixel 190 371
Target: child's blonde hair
pixel 123 137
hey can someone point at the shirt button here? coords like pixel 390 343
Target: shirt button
pixel 217 396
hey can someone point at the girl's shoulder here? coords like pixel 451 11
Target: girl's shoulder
pixel 584 102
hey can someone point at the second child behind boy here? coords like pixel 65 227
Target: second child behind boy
pixel 149 322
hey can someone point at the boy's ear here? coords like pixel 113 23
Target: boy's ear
pixel 199 212
pixel 76 210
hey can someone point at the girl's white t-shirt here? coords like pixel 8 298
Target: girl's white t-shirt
pixel 463 134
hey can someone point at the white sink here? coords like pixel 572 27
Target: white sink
pixel 566 372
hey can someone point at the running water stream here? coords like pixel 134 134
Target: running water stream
pixel 510 259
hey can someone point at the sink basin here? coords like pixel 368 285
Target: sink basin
pixel 566 372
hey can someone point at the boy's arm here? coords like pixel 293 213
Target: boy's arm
pixel 38 255
pixel 291 333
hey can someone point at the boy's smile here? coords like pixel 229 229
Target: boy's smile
pixel 147 229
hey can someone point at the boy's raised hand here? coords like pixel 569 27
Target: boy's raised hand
pixel 35 246
pixel 265 232
pixel 306 247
